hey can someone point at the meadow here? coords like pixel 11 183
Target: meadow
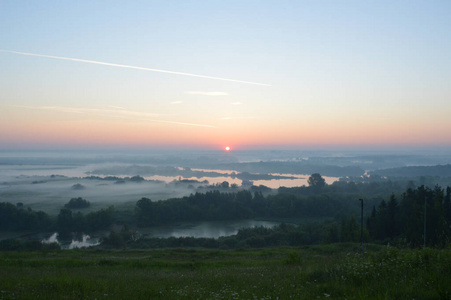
pixel 334 271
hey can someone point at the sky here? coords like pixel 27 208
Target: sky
pixel 210 74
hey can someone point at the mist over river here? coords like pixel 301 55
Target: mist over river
pixel 212 229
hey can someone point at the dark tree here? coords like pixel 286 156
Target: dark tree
pixel 78 186
pixel 225 184
pixel 447 207
pixel 65 222
pixel 77 203
pixel 145 212
pixel 371 223
pixel 392 217
pixel 316 181
pixel 100 219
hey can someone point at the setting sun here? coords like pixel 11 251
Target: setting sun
pixel 227 148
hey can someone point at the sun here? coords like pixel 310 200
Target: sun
pixel 227 148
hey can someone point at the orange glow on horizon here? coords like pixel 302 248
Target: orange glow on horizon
pixel 72 130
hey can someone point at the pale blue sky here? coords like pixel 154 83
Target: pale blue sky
pixel 368 72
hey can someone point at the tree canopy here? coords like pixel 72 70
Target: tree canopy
pixel 316 181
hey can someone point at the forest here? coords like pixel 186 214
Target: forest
pixel 392 215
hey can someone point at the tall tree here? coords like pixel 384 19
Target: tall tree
pixel 392 217
pixel 316 181
pixel 447 207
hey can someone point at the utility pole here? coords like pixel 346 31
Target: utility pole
pixel 361 226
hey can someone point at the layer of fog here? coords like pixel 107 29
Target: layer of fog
pixel 50 193
pixel 85 241
pixel 370 159
pixel 27 176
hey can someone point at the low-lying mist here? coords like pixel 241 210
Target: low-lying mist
pixel 50 193
pixel 46 180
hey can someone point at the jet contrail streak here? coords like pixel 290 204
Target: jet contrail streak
pixel 131 67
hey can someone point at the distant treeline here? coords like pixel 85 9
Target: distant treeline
pixel 250 170
pixel 365 190
pixel 182 172
pixel 214 205
pixel 417 171
pixel 294 167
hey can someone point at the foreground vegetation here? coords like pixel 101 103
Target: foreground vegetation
pixel 335 271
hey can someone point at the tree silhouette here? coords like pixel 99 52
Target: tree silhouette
pixel 316 181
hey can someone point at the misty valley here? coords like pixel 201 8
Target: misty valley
pixel 233 149
pixel 257 184
pixel 34 183
pixel 279 216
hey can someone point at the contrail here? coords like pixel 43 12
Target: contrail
pixel 132 67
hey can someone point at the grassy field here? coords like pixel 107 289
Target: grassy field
pixel 328 271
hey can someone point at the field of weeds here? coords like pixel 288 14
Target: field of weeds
pixel 329 271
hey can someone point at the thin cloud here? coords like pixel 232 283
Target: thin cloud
pixel 236 103
pixel 237 118
pixel 117 107
pixel 180 123
pixel 132 67
pixel 82 110
pixel 114 113
pixel 176 102
pixel 206 93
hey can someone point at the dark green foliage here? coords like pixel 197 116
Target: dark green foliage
pixel 33 245
pixel 316 181
pixel 211 205
pixel 77 203
pixel 119 239
pixel 69 221
pixel 405 221
pixel 350 230
pixel 326 271
pixel 214 205
pixel 399 223
pixel 255 237
pixel 447 207
pixel 392 221
pixel 18 218
pixel 100 219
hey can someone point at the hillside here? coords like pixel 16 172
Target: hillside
pixel 335 271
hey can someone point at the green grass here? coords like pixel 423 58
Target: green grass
pixel 330 271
